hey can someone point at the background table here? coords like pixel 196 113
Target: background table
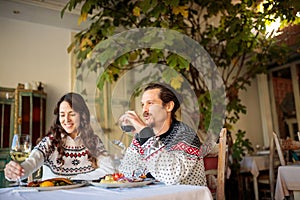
pixel 254 164
pixel 151 192
pixel 288 179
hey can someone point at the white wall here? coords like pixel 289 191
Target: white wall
pixel 251 122
pixel 34 52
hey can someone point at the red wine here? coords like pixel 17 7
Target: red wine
pixel 128 128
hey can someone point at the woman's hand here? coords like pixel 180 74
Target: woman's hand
pixel 13 171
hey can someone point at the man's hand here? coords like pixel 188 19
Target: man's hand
pixel 135 120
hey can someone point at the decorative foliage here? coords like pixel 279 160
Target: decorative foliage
pixel 232 32
pixel 239 147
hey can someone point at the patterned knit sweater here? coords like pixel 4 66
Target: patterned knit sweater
pixel 76 164
pixel 176 157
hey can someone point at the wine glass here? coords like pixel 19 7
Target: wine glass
pixel 125 125
pixel 20 149
pixel 116 161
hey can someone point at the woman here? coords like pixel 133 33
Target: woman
pixel 70 148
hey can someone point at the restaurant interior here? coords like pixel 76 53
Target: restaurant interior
pixel 36 69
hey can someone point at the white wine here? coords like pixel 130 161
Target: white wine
pixel 19 156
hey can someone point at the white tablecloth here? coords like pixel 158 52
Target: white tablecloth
pixel 288 178
pixel 151 192
pixel 254 164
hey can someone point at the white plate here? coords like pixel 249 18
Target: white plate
pixel 76 184
pixel 265 152
pixel 122 185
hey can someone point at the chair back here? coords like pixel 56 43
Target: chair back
pixel 279 149
pixel 215 166
pixel 221 165
pixel 274 162
pixel 281 146
pixel 272 168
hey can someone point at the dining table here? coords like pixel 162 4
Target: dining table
pixel 254 164
pixel 90 192
pixel 288 181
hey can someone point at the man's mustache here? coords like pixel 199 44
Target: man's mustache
pixel 146 114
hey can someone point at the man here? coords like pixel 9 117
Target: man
pixel 163 147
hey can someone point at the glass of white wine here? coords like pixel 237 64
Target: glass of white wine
pixel 20 149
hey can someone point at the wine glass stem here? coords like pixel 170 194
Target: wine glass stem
pixel 19 182
pixel 121 138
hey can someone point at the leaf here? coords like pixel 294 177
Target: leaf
pixel 82 18
pixel 123 60
pixel 183 64
pixel 147 5
pixel 136 11
pixel 181 10
pixel 172 60
pixel 134 55
pixel 177 81
pixel 71 47
pixel 168 74
pixel 173 3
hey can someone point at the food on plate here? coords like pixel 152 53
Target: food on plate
pixel 50 182
pixel 113 178
pixel 119 178
pixel 143 176
pixel 47 184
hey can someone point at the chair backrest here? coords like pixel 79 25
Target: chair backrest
pixel 221 165
pixel 215 166
pixel 284 147
pixel 279 149
pixel 272 170
pixel 281 146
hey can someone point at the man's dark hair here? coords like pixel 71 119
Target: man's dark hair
pixel 167 94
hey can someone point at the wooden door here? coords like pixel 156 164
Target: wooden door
pixel 7 98
pixel 31 112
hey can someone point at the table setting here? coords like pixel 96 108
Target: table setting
pixel 254 163
pixel 113 186
pixel 288 181
pixel 81 189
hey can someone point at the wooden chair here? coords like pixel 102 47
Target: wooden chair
pixel 284 146
pixel 269 177
pixel 215 166
pixel 279 149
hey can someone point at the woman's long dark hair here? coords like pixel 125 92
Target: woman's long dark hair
pixel 90 139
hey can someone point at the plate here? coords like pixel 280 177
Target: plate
pixel 75 184
pixel 122 185
pixel 265 152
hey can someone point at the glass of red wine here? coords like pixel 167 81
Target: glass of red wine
pixel 127 128
pixel 125 124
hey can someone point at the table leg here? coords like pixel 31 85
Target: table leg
pixel 255 187
pixel 292 195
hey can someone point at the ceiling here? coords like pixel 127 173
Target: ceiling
pixel 45 12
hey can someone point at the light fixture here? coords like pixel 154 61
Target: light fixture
pixel 16 12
